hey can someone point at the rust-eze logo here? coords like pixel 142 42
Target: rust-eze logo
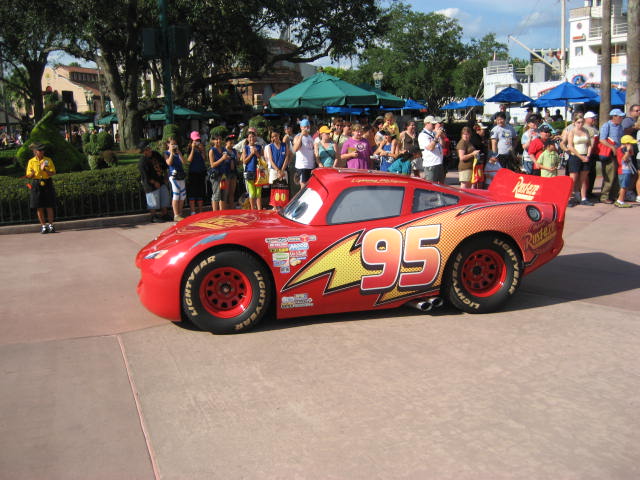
pixel 540 237
pixel 525 190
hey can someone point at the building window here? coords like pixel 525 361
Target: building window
pixel 578 52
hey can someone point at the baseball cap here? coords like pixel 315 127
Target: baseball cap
pixel 194 135
pixel 305 123
pixel 430 119
pixel 626 139
pixel 590 114
pixel 544 128
pixel 616 112
pixel 482 125
pixel 324 129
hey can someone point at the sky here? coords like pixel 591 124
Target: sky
pixel 536 23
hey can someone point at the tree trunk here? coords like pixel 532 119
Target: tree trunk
pixel 605 66
pixel 633 53
pixel 35 70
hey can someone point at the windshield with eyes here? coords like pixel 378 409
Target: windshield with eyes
pixel 304 207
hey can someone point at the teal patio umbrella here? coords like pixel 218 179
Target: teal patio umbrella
pixel 180 113
pixel 385 99
pixel 72 117
pixel 319 91
pixel 108 119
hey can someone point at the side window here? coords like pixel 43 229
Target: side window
pixel 429 199
pixel 359 204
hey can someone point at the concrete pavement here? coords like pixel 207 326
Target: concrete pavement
pixel 94 386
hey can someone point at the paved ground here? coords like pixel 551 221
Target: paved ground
pixel 95 387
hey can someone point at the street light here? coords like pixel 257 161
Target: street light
pixel 528 70
pixel 377 78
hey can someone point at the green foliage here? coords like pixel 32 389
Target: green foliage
pixel 220 130
pixel 467 77
pixel 91 193
pixel 66 158
pixel 261 125
pixel 171 130
pixel 104 141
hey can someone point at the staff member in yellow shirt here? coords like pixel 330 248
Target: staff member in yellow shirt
pixel 40 169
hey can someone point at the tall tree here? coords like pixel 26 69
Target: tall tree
pixel 605 67
pixel 229 40
pixel 29 32
pixel 467 77
pixel 417 55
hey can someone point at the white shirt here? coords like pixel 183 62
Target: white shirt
pixel 430 158
pixel 305 156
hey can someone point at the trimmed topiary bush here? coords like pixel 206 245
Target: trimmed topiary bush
pixel 65 157
pixel 261 125
pixel 219 130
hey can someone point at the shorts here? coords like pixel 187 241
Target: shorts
pixel 434 173
pixel 305 174
pixel 465 175
pixel 42 193
pixel 273 175
pixel 626 180
pixel 217 194
pixel 196 185
pixel 252 190
pixel 178 189
pixel 158 198
pixel 576 165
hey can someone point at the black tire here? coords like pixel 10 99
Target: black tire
pixel 482 274
pixel 226 292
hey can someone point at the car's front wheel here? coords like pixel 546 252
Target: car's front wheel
pixel 484 272
pixel 227 291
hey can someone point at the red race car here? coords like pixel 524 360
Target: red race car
pixel 354 240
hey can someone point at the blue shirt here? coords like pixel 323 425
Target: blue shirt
pixel 612 131
pixel 252 164
pixel 176 164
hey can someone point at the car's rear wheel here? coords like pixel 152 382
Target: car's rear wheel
pixel 226 291
pixel 483 273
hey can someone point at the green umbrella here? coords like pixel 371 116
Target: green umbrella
pixel 385 99
pixel 319 91
pixel 181 113
pixel 108 120
pixel 72 117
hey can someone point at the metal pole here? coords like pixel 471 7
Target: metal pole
pixel 166 62
pixel 563 41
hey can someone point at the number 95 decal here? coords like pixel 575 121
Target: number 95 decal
pixel 408 263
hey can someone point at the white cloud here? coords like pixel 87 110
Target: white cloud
pixel 449 12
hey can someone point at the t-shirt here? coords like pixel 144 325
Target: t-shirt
pixel 536 147
pixel 626 166
pixel 305 156
pixel 33 167
pixel 505 136
pixel 430 158
pixel 406 141
pixel 549 159
pixel 362 148
pixel 327 155
pixel 468 148
pixel 401 166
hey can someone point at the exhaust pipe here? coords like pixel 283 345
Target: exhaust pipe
pixel 436 302
pixel 422 305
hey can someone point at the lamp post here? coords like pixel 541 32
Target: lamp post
pixel 528 70
pixel 377 78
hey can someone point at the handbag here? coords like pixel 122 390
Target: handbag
pixel 262 174
pixel 179 175
pixel 279 193
pixel 249 176
pixel 213 175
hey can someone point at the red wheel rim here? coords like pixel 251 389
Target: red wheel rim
pixel 226 292
pixel 483 273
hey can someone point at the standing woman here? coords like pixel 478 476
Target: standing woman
pixel 579 143
pixel 251 154
pixel 408 138
pixel 232 176
pixel 40 169
pixel 325 149
pixel 197 173
pixel 177 177
pixel 466 153
pixel 277 156
pixel 218 167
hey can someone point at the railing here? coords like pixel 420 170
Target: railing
pixel 595 31
pixel 110 200
pixel 494 69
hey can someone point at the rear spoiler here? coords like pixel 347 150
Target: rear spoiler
pixel 509 186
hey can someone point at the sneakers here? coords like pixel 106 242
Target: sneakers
pixel 44 229
pixel 572 202
pixel 177 218
pixel 586 202
pixel 621 204
pixel 156 219
pixel 51 228
pixel 638 198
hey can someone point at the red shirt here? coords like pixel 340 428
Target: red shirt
pixel 536 147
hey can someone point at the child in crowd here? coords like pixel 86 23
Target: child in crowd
pixel 402 164
pixel 626 170
pixel 549 160
pixel 490 169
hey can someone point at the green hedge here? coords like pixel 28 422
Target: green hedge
pixel 91 193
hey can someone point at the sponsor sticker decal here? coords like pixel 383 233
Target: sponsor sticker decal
pixel 540 238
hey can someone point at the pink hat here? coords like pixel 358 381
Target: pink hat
pixel 195 135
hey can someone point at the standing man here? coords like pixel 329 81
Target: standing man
pixel 609 141
pixel 430 142
pixel 305 156
pixel 628 124
pixel 503 110
pixel 40 169
pixel 153 175
pixel 502 138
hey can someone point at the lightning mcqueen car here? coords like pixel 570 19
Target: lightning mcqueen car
pixel 356 240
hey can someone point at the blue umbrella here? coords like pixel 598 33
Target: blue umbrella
pixel 618 97
pixel 509 95
pixel 413 105
pixel 545 103
pixel 450 106
pixel 568 92
pixel 345 110
pixel 470 102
